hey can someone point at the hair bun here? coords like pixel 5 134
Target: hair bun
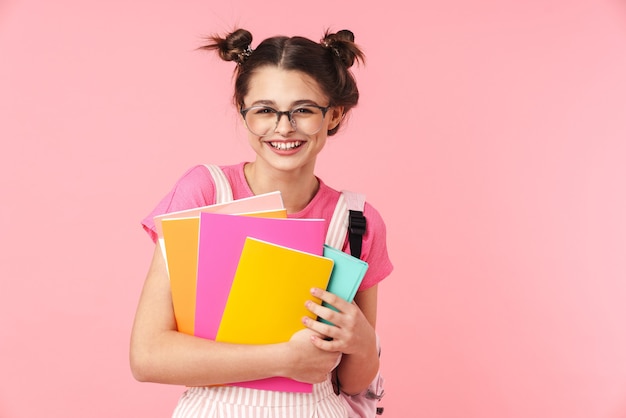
pixel 345 35
pixel 233 47
pixel 343 46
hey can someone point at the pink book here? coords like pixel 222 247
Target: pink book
pixel 221 241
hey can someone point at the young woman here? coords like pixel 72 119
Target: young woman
pixel 292 93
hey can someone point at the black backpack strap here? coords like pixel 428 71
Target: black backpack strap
pixel 357 224
pixel 356 229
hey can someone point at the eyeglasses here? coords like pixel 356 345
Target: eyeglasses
pixel 263 120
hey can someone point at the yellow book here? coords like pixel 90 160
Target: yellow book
pixel 266 300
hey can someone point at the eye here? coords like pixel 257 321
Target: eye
pixel 304 110
pixel 263 110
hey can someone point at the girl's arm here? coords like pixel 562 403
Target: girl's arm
pixel 161 354
pixel 353 334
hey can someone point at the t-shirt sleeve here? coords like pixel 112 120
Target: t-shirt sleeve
pixel 375 249
pixel 194 189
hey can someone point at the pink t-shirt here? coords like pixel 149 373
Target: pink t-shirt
pixel 196 188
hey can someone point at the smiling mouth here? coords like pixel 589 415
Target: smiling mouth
pixel 284 146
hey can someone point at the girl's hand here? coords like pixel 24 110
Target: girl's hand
pixel 309 363
pixel 351 332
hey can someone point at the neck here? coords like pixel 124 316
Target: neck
pixel 297 189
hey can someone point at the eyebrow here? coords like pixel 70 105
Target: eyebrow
pixel 271 103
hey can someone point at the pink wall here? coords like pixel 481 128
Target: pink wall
pixel 504 120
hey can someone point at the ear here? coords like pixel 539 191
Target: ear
pixel 335 116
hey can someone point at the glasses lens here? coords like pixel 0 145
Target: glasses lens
pixel 308 119
pixel 262 121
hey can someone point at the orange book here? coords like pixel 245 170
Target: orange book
pixel 180 238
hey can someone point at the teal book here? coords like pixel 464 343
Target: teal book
pixel 346 277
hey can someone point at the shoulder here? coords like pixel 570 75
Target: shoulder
pixel 194 179
pixel 198 181
pixel 373 216
pixel 375 248
pixel 193 189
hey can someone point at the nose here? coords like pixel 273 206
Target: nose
pixel 286 125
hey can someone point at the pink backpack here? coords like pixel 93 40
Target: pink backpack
pixel 347 219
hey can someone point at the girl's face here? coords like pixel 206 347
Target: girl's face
pixel 284 147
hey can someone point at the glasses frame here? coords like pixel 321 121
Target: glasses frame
pixel 279 114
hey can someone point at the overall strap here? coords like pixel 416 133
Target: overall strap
pixel 348 218
pixel 223 191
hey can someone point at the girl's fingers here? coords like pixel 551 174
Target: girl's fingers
pixel 331 299
pixel 326 344
pixel 326 330
pixel 324 312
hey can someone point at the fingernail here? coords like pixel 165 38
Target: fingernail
pixel 315 291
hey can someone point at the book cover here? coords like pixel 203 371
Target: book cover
pixel 266 300
pixel 347 275
pixel 221 241
pixel 180 240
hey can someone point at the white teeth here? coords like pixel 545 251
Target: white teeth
pixel 286 145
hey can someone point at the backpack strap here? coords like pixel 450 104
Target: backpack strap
pixel 223 191
pixel 348 218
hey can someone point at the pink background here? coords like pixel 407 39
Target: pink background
pixel 491 136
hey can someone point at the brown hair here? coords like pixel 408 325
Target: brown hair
pixel 327 62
